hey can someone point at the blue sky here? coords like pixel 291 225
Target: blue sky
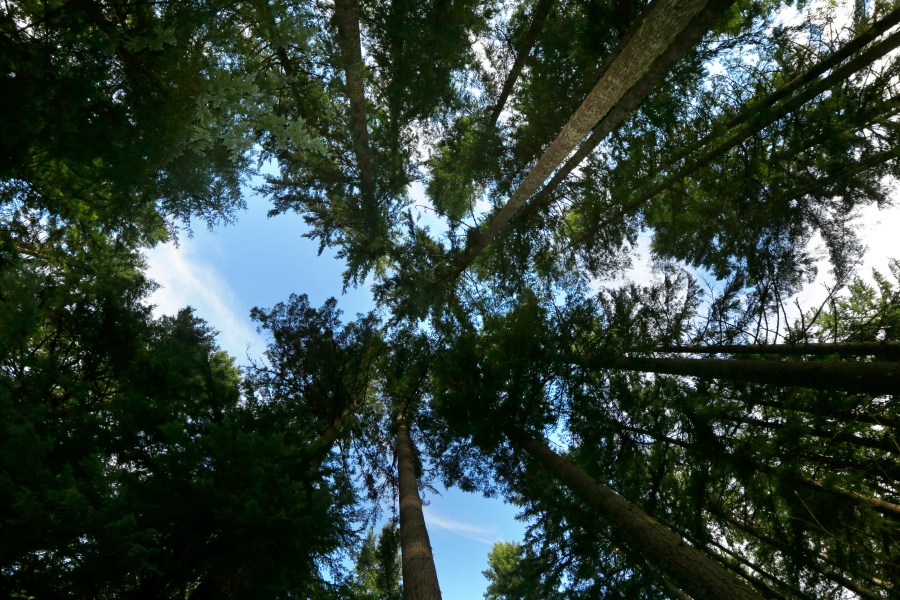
pixel 259 262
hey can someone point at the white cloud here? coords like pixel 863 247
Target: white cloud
pixel 478 533
pixel 187 281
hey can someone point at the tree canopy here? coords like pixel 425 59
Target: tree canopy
pixel 489 169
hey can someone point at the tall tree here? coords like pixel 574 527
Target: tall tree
pixel 419 574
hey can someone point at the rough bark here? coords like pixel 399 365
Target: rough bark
pixel 638 533
pixel 881 377
pixel 880 349
pixel 537 24
pixel 419 575
pixel 670 29
pixel 346 16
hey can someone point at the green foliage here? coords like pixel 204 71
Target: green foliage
pixel 377 572
pixel 866 314
pixel 125 114
pixel 508 574
pixel 130 465
pixel 137 460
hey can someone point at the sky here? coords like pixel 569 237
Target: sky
pixel 258 262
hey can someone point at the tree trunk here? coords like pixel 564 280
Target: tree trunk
pixel 419 575
pixel 822 409
pixel 875 378
pixel 767 112
pixel 880 349
pixel 346 16
pixel 319 448
pixel 669 31
pixel 843 437
pixel 638 533
pixel 537 24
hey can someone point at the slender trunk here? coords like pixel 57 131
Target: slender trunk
pixel 764 116
pixel 669 31
pixel 629 102
pixel 888 508
pixel 885 445
pixel 820 564
pixel 875 378
pixel 821 409
pixel 638 533
pixel 346 16
pixel 537 24
pixel 880 349
pixel 419 575
pixel 319 448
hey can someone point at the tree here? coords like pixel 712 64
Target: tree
pixel 155 468
pixel 508 574
pixel 377 573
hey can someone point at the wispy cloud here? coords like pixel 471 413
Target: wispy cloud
pixel 186 281
pixel 478 533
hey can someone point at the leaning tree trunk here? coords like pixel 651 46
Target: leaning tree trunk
pixel 419 575
pixel 346 16
pixel 767 112
pixel 668 32
pixel 882 377
pixel 537 24
pixel 638 533
pixel 880 349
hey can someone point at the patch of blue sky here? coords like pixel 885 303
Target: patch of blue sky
pixel 260 261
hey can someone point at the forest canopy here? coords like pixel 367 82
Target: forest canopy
pixel 691 437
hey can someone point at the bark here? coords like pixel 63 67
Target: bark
pixel 419 575
pixel 875 378
pixel 537 24
pixel 689 38
pixel 638 533
pixel 879 349
pixel 669 31
pixel 346 16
